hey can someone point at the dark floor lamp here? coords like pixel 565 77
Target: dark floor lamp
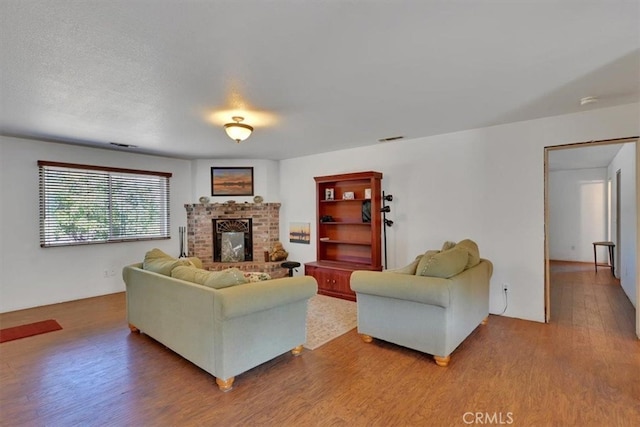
pixel 387 222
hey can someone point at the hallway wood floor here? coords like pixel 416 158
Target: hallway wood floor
pixel 581 369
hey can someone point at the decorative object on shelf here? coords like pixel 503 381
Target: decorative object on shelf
pixel 300 232
pixel 328 194
pixel 387 222
pixel 258 199
pixel 204 200
pixel 238 131
pixel 324 239
pixel 231 181
pixel 278 253
pixel 348 195
pixel 326 218
pixel 182 233
pixel 367 193
pixel 366 211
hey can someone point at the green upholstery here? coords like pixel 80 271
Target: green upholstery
pixel 163 266
pixel 213 279
pixel 472 249
pixel 443 264
pixel 223 331
pixel 429 314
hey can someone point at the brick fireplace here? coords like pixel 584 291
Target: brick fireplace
pixel 260 220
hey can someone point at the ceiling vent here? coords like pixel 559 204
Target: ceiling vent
pixel 117 144
pixel 391 138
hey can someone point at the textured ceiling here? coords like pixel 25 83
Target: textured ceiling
pixel 310 76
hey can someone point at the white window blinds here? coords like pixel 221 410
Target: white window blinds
pixel 82 204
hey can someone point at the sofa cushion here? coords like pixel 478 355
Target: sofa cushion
pixel 443 264
pixel 407 269
pixel 212 279
pixel 159 262
pixel 225 278
pixel 448 245
pixel 472 249
pixel 256 276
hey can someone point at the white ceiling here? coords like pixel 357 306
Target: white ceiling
pixel 310 76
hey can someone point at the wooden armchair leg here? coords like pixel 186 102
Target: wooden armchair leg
pixel 297 351
pixel 442 361
pixel 225 385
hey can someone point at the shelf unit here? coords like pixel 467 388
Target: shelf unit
pixel 347 242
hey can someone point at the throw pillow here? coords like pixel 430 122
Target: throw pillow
pixel 212 279
pixel 190 274
pixel 472 248
pixel 159 262
pixel 256 276
pixel 443 264
pixel 225 278
pixel 423 260
pixel 448 245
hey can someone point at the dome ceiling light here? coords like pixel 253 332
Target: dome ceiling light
pixel 238 131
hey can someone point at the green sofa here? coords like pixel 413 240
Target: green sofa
pixel 224 331
pixel 429 314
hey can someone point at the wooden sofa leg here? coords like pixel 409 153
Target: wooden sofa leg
pixel 297 351
pixel 225 385
pixel 442 361
pixel 485 320
pixel 366 338
pixel 133 329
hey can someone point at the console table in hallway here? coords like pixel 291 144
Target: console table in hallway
pixel 610 245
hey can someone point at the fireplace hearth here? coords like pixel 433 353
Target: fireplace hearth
pixel 252 229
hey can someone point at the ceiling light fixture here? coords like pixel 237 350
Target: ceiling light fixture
pixel 238 131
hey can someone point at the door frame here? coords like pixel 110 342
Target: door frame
pixel 547 276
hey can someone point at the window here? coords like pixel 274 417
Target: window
pixel 81 204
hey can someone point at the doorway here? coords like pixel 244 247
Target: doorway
pixel 567 151
pixel 618 215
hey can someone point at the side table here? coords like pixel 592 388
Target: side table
pixel 610 245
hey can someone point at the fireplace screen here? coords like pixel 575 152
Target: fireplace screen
pixel 232 249
pixel 232 240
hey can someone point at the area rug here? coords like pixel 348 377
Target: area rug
pixel 28 330
pixel 328 318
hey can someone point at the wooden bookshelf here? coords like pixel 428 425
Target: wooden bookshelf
pixel 347 238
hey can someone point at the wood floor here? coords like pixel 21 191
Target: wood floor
pixel 582 369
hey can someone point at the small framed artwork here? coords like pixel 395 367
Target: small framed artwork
pixel 231 181
pixel 328 194
pixel 348 195
pixel 367 193
pixel 300 232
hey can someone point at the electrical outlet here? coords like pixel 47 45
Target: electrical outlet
pixel 505 287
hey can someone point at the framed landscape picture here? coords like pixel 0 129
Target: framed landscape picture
pixel 300 232
pixel 231 181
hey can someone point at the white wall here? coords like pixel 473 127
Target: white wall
pixel 33 276
pixel 626 267
pixel 577 214
pixel 485 184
